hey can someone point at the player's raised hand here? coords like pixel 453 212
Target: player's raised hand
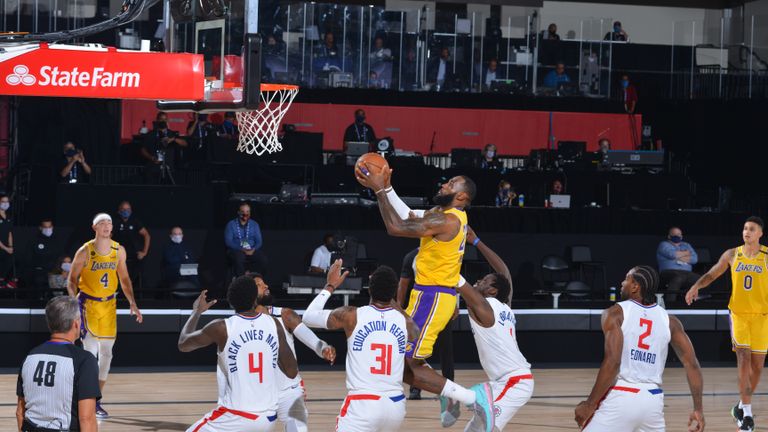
pixel 696 422
pixel 583 412
pixel 691 296
pixel 135 311
pixel 329 354
pixel 471 236
pixel 335 277
pixel 201 304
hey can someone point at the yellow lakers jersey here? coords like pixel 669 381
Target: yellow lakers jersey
pixel 750 282
pixel 99 275
pixel 439 262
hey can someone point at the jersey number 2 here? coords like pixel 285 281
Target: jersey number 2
pixel 105 280
pixel 384 359
pixel 648 324
pixel 256 369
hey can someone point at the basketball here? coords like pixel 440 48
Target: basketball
pixel 372 161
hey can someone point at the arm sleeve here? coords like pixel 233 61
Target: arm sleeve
pixel 88 378
pixel 400 207
pixel 316 315
pixel 310 339
pixel 257 241
pixel 229 236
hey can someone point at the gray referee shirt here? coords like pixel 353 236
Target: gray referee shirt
pixel 55 376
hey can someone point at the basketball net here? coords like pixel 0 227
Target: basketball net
pixel 258 129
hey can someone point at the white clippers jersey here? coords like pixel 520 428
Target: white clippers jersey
pixel 497 345
pixel 283 382
pixel 376 351
pixel 247 367
pixel 646 341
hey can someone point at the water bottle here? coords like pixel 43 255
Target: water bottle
pixel 612 295
pixel 143 130
pixel 521 200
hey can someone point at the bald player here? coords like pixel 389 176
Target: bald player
pixel 443 234
pixel 96 269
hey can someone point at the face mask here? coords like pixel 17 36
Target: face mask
pixel 675 239
pixel 5 206
pixel 490 153
pixel 359 118
pixel 625 83
pixel 66 266
pixel 616 29
pixel 47 232
pixel 242 215
pixel 70 152
pixel 125 214
pixel 177 238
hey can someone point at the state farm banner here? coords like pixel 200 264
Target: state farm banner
pixel 74 71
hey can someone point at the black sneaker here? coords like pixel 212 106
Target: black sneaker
pixel 415 394
pixel 748 424
pixel 737 413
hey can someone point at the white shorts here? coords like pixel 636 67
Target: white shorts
pixel 291 410
pixel 226 420
pixel 371 413
pixel 511 393
pixel 629 408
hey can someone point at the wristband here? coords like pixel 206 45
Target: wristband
pixel 477 240
pixel 326 286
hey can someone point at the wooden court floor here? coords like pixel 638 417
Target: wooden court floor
pixel 173 401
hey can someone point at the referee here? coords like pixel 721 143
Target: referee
pixel 59 382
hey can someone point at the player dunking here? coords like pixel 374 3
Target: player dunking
pixel 627 395
pixel 291 410
pixel 443 232
pixel 749 312
pixel 96 269
pixel 377 336
pixel 251 349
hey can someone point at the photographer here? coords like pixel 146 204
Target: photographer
pixel 74 168
pixel 159 150
pixel 199 130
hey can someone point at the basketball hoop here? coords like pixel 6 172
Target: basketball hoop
pixel 258 129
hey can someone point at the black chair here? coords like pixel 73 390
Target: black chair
pixel 555 273
pixel 578 289
pixel 580 257
pixel 365 265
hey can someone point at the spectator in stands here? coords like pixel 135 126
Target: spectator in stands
pixel 604 145
pixel 321 257
pixel 274 47
pixel 130 232
pixel 555 78
pixel 490 74
pixel 676 259
pixel 617 34
pixel 557 187
pixel 373 80
pixel 44 251
pixel 379 53
pixel 551 33
pixel 176 253
pixel 601 156
pixel 360 131
pixel 328 48
pixel 506 195
pixel 243 239
pixel 7 273
pixel 489 158
pixel 440 71
pixel 228 128
pixel 74 168
pixel 629 94
pixel 160 145
pixel 59 274
pixel 409 70
pixel 199 131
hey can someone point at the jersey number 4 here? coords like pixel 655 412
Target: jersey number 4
pixel 45 373
pixel 105 280
pixel 648 324
pixel 384 359
pixel 256 369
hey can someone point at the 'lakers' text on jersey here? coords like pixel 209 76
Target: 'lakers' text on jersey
pixel 439 262
pixel 749 276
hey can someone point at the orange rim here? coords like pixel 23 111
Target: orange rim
pixel 278 87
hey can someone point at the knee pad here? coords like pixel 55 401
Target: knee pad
pixel 105 357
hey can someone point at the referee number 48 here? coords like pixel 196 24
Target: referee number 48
pixel 45 373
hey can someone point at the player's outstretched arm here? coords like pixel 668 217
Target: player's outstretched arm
pixel 432 224
pixel 316 315
pixel 126 284
pixel 687 355
pixel 479 308
pixel 715 272
pixel 215 331
pixel 295 326
pixel 614 341
pixel 497 264
pixel 286 361
pixel 74 273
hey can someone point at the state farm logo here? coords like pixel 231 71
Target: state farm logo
pixel 20 75
pixel 55 77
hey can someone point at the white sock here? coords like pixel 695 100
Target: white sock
pixel 457 392
pixel 747 410
pixel 741 404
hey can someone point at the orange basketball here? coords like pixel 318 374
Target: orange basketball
pixel 373 161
